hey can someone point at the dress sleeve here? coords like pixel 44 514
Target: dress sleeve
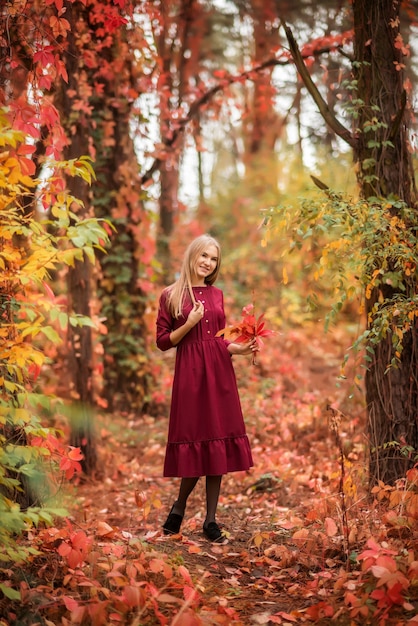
pixel 164 324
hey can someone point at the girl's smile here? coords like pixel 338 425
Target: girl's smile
pixel 206 263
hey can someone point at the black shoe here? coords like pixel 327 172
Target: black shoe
pixel 172 524
pixel 213 532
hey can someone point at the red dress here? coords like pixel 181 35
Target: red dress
pixel 206 435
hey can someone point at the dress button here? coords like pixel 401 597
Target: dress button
pixel 200 293
pixel 208 332
pixel 206 321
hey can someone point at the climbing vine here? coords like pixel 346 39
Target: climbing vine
pixel 31 320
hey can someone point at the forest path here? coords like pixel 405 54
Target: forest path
pixel 262 575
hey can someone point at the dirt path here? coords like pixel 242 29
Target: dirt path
pixel 262 575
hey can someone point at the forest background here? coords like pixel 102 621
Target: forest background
pixel 287 131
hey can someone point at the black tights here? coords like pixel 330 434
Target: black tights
pixel 213 487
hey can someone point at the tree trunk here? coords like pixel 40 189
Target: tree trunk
pixel 264 124
pixel 385 168
pixel 80 349
pixel 169 183
pixel 118 198
pixel 104 75
pixel 178 47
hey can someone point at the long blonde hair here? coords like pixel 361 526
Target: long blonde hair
pixel 178 291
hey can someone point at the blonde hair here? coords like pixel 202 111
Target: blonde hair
pixel 178 291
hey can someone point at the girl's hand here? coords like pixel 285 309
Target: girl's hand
pixel 196 313
pixel 251 347
pixel 193 318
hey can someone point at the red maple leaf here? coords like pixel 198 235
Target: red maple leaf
pixel 44 56
pixel 249 328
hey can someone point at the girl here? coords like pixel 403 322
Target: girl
pixel 206 435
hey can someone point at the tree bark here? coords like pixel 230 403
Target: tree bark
pixel 118 198
pixel 264 124
pixel 178 47
pixel 382 155
pixel 391 394
pixel 79 339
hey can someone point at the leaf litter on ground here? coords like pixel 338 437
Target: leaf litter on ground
pixel 286 559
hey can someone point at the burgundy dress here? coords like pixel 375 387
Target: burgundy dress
pixel 206 435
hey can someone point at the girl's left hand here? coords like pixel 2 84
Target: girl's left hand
pixel 244 348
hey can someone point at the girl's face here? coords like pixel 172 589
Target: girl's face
pixel 205 264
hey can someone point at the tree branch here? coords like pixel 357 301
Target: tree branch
pixel 324 110
pixel 180 125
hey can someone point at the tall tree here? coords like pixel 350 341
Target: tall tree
pixel 179 31
pixel 382 152
pixel 31 63
pixel 126 268
pixel 104 57
pixel 264 123
pixel 78 42
pixel 379 51
pixel 70 100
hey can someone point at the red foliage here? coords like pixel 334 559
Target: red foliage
pixel 249 328
pixel 75 548
pixel 67 456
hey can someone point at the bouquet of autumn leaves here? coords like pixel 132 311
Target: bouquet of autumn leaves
pixel 249 328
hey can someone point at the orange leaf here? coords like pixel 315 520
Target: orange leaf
pixel 59 26
pixel 301 536
pixel 322 609
pixel 104 530
pixel 132 596
pixel 75 558
pixel 187 618
pixel 330 527
pixel 80 540
pixel 49 291
pixel 189 593
pixel 75 454
pixel 184 572
pixel 70 603
pixel 64 549
pixel 140 498
pixel 156 565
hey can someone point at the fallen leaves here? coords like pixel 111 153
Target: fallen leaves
pixel 285 562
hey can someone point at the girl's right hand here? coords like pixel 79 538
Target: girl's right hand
pixel 196 313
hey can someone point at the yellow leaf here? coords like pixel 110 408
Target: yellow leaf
pixel 11 162
pixel 22 414
pixel 70 256
pixel 285 276
pixel 11 386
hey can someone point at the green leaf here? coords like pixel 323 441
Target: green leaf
pixel 51 334
pixel 63 320
pixel 10 593
pixel 89 252
pixel 81 320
